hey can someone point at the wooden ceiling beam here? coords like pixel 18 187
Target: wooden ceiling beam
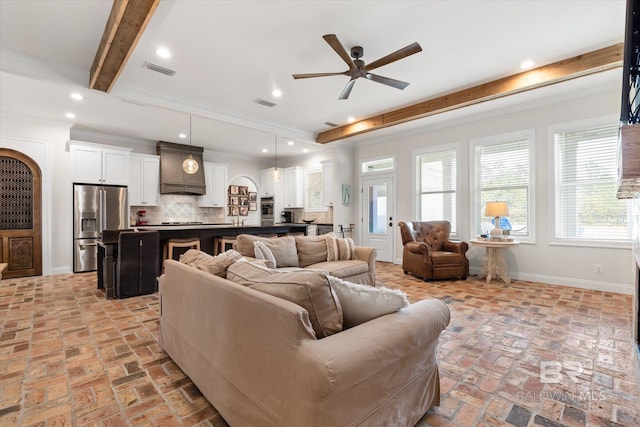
pixel 127 21
pixel 567 69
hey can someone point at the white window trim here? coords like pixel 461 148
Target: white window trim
pixel 382 172
pixel 415 179
pixel 474 190
pixel 307 171
pixel 551 202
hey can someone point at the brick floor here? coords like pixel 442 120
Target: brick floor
pixel 70 357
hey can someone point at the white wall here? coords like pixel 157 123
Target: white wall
pixel 541 261
pixel 46 144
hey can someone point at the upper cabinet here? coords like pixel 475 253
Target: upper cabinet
pixel 215 177
pixel 293 181
pixel 327 182
pixel 144 180
pixel 269 188
pixel 99 164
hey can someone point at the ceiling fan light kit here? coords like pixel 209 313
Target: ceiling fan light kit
pixel 358 68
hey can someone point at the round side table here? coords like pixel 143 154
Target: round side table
pixel 493 263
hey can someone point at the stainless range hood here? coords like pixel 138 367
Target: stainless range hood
pixel 174 180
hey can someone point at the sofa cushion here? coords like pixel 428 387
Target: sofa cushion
pixel 283 250
pixel 212 264
pixel 342 268
pixel 264 253
pixel 244 244
pixel 340 249
pixel 311 249
pixel 308 288
pixel 361 303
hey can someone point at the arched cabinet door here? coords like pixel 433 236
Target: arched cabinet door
pixel 20 215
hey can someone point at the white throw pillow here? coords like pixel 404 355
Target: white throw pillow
pixel 263 252
pixel 361 303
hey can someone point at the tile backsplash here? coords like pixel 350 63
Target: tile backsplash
pixel 178 208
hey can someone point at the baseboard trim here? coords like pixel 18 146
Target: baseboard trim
pixel 619 288
pixel 60 270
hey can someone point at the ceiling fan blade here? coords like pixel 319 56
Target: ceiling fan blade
pixel 347 89
pixel 333 41
pixel 306 76
pixel 398 84
pixel 398 54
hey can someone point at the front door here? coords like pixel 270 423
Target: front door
pixel 20 215
pixel 377 216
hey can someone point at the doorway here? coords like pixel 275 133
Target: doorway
pixel 378 210
pixel 20 214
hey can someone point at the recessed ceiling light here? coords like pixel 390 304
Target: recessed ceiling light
pixel 306 150
pixel 290 142
pixel 351 119
pixel 77 96
pixel 163 52
pixel 70 115
pixel 264 150
pixel 182 135
pixel 276 93
pixel 527 64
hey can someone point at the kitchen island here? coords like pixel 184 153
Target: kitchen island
pixel 207 233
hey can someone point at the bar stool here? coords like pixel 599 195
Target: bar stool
pixel 220 244
pixel 189 242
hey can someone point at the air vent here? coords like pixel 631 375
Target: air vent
pixel 331 124
pixel 157 68
pixel 265 103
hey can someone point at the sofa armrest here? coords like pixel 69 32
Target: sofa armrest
pixel 367 254
pixel 355 354
pixel 420 248
pixel 457 247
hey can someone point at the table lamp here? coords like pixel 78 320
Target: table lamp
pixel 496 210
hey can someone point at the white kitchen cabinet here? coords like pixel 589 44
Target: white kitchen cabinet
pixel 215 178
pixel 293 182
pixel 327 182
pixel 99 164
pixel 144 180
pixel 269 188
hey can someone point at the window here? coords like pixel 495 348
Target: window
pixel 585 164
pixel 436 179
pixel 314 190
pixel 503 173
pixel 378 165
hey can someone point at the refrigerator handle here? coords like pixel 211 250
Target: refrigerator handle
pixel 103 202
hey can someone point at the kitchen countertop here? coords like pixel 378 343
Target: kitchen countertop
pixel 209 226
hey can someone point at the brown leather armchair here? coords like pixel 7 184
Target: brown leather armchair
pixel 428 252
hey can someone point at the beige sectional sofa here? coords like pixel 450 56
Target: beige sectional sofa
pixel 257 359
pixel 311 252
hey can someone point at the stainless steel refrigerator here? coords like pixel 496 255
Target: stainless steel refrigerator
pixel 95 208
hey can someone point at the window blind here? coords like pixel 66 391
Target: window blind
pixel 503 175
pixel 586 206
pixel 437 187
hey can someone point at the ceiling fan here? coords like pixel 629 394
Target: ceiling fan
pixel 357 67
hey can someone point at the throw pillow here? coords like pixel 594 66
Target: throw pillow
pixel 361 303
pixel 308 288
pixel 311 249
pixel 263 252
pixel 212 264
pixel 339 249
pixel 283 250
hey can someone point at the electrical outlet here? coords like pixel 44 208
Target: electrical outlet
pixel 598 269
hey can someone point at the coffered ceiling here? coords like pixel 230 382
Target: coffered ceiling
pixel 228 54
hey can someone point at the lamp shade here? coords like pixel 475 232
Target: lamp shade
pixel 496 209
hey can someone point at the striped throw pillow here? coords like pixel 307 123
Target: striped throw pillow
pixel 339 249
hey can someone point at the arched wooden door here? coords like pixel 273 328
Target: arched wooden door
pixel 20 214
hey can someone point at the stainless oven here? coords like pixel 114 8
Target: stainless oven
pixel 266 211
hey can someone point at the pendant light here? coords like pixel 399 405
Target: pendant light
pixel 190 165
pixel 276 174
